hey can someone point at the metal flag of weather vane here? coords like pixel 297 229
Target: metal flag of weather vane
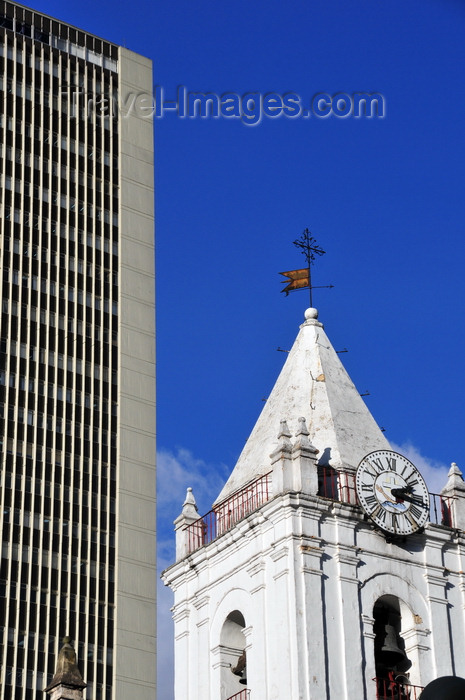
pixel 302 279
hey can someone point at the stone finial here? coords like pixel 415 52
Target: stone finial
pixel 311 313
pixel 189 507
pixel 281 459
pixel 68 676
pixel 302 429
pixel 294 465
pixel 188 515
pixel 302 438
pixel 284 431
pixel 455 480
pixel 311 318
pixel 453 494
pixel 304 461
pixel 284 446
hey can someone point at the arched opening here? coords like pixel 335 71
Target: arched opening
pixel 233 655
pixel 391 660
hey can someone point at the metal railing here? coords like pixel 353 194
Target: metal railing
pixel 440 511
pixel 242 695
pixel 227 513
pixel 340 486
pixel 332 483
pixel 392 690
pixel 337 485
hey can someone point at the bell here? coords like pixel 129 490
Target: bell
pixel 402 679
pixel 391 654
pixel 240 669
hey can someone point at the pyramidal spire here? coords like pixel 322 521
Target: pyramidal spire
pixel 313 384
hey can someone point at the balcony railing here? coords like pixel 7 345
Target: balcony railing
pixel 440 511
pixel 332 483
pixel 392 690
pixel 340 486
pixel 243 695
pixel 227 513
pixel 337 485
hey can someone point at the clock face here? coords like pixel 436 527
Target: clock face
pixel 392 492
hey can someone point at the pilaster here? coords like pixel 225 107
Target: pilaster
pixel 202 660
pixel 313 630
pixel 258 670
pixel 281 607
pixel 181 618
pixel 440 623
pixel 352 676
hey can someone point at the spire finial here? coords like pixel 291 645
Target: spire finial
pixel 311 314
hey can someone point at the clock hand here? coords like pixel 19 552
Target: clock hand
pixel 403 494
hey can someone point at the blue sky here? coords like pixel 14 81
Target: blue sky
pixel 383 197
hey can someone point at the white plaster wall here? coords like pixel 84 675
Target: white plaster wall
pixel 305 573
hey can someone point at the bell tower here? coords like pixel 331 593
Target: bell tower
pixel 325 570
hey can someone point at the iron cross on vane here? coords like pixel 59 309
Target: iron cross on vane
pixel 302 279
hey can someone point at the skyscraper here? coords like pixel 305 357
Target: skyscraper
pixel 77 394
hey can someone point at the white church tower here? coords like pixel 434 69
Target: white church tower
pixel 325 570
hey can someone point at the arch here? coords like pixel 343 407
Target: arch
pixel 230 643
pixel 233 655
pixel 413 626
pixel 235 599
pixel 231 632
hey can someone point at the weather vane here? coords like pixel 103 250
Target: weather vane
pixel 302 279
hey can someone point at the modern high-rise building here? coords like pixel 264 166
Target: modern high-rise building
pixel 77 387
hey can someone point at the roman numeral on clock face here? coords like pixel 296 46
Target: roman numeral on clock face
pixel 371 501
pixel 378 465
pixel 381 464
pixel 415 512
pixel 382 516
pixel 392 463
pixel 410 482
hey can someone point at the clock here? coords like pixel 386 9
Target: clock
pixel 392 492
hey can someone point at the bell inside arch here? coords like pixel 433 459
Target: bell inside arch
pixel 391 653
pixel 240 669
pixel 389 646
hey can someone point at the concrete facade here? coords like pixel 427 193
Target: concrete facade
pixel 297 582
pixel 77 374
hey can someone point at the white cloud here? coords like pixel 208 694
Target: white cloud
pixel 176 471
pixel 433 472
pixel 180 469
